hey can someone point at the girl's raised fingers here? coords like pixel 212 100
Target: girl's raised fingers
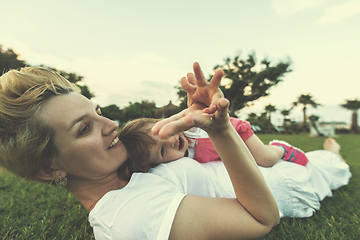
pixel 159 125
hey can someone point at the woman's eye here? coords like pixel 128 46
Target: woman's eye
pixel 162 151
pixel 85 129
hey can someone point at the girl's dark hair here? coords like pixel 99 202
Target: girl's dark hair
pixel 137 141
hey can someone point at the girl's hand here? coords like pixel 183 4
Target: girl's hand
pixel 194 116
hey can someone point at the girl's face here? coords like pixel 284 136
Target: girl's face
pixel 169 149
pixel 87 141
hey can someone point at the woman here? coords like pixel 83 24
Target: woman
pixel 50 132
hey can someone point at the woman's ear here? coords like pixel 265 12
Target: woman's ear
pixel 47 173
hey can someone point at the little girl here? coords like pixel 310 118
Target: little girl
pixel 146 150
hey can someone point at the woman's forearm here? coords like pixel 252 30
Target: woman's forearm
pixel 249 185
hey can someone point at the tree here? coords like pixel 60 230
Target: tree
pixel 9 60
pixel 252 117
pixel 86 92
pixel 246 84
pixel 269 109
pixel 258 120
pixel 313 119
pixel 166 111
pixel 113 112
pixel 182 94
pixel 285 113
pixel 74 78
pixel 139 110
pixel 305 100
pixel 353 105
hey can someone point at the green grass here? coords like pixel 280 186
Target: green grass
pixel 31 210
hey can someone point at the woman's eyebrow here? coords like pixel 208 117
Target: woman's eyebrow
pixel 79 119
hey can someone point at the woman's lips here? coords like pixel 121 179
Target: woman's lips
pixel 115 142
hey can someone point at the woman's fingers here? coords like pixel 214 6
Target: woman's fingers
pixel 223 107
pixel 187 85
pixel 216 79
pixel 199 75
pixel 217 94
pixel 220 119
pixel 203 103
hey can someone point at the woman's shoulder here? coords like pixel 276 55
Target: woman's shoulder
pixel 164 176
pixel 128 213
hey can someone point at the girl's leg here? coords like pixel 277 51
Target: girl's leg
pixel 264 155
pixel 267 155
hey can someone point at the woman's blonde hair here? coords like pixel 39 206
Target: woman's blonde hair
pixel 26 141
pixel 137 140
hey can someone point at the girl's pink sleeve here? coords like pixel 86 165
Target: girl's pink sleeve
pixel 242 127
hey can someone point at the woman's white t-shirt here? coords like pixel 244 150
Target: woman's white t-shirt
pixel 146 207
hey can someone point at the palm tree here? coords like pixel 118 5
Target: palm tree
pixel 285 113
pixel 353 105
pixel 306 100
pixel 313 119
pixel 269 109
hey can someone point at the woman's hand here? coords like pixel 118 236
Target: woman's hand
pixel 198 90
pixel 207 108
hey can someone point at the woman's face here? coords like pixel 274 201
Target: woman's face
pixel 87 142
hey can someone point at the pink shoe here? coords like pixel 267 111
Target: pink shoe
pixel 291 154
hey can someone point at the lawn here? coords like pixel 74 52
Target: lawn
pixel 36 211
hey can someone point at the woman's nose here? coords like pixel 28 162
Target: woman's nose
pixel 108 125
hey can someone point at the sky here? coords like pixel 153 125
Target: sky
pixel 129 51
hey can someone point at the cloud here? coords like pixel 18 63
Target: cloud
pixel 286 8
pixel 30 57
pixel 133 80
pixel 114 80
pixel 157 85
pixel 340 12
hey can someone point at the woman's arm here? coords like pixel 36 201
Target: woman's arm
pixel 254 211
pixel 250 187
